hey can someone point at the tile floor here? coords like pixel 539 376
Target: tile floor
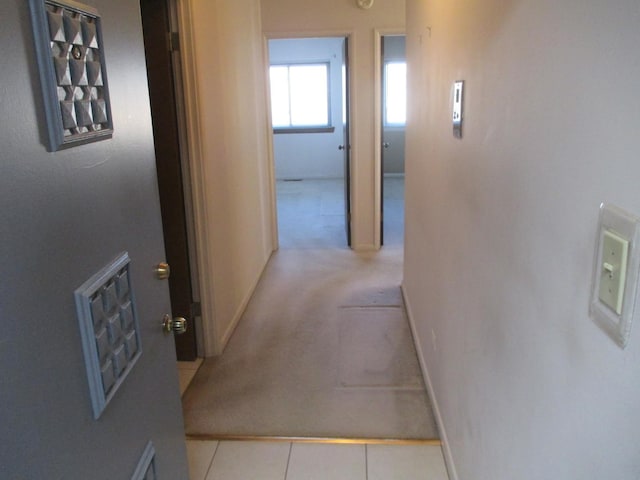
pixel 242 460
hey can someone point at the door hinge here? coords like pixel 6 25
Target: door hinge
pixel 174 42
pixel 196 309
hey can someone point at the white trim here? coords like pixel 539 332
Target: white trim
pixel 446 448
pixel 303 178
pixel 353 187
pixel 308 34
pixel 187 175
pixel 365 248
pixel 210 341
pixel 377 136
pixel 323 127
pixel 226 335
pixel 271 167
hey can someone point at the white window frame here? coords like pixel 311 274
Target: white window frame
pixel 301 128
pixel 385 113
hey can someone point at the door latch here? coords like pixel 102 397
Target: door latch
pixel 176 325
pixel 162 271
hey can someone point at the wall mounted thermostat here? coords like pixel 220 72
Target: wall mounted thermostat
pixel 457 108
pixel 615 275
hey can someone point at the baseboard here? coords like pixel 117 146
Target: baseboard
pixel 446 449
pixel 364 248
pixel 301 178
pixel 242 307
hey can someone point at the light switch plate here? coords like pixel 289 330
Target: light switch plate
pixel 615 273
pixel 613 270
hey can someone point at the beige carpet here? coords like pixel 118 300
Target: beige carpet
pixel 323 350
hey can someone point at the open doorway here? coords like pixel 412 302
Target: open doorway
pixel 393 118
pixel 309 105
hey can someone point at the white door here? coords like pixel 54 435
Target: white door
pixel 65 216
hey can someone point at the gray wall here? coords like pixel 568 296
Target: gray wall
pixel 501 231
pixel 311 155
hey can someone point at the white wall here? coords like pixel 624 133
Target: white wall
pixel 225 80
pixel 288 18
pixel 501 228
pixel 311 155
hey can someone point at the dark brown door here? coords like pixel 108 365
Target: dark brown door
pixel 157 33
pixel 384 144
pixel 347 144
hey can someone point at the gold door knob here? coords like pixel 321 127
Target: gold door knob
pixel 176 325
pixel 162 271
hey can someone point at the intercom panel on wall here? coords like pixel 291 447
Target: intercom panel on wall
pixel 458 88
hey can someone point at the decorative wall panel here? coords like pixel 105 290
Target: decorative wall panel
pixel 146 469
pixel 110 332
pixel 73 74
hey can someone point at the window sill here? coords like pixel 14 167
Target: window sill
pixel 304 130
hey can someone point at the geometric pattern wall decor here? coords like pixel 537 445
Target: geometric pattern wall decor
pixel 146 469
pixel 109 328
pixel 73 74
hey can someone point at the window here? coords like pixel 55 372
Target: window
pixel 300 96
pixel 395 93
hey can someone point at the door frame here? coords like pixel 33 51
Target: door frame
pixel 194 346
pixel 377 136
pixel 181 113
pixel 208 336
pixel 350 36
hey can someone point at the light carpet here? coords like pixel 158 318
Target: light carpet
pixel 323 350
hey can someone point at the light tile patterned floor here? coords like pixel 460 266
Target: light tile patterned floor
pixel 242 460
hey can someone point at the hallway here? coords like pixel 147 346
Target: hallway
pixel 323 350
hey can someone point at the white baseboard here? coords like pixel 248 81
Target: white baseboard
pixel 241 308
pixel 300 178
pixel 446 449
pixel 364 248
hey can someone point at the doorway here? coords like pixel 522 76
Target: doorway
pixel 393 124
pixel 162 56
pixel 309 107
